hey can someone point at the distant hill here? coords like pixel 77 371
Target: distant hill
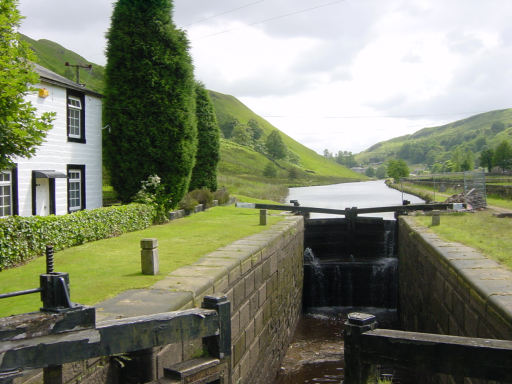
pixel 435 145
pixel 53 56
pixel 240 164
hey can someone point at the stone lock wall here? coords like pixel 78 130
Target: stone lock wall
pixel 448 288
pixel 262 277
pixel 266 303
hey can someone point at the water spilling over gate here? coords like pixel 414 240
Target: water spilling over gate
pixel 350 263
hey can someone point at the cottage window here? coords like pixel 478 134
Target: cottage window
pixel 5 193
pixel 75 180
pixel 74 111
pixel 76 187
pixel 75 117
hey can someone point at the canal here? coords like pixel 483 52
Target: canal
pixel 316 352
pixel 340 196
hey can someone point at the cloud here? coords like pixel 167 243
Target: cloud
pixel 77 25
pixel 341 74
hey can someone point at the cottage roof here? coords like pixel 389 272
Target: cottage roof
pixel 48 76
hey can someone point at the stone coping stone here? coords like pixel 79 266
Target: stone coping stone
pixel 487 277
pixel 226 262
pixel 243 251
pixel 195 270
pixel 138 302
pixel 194 284
pixel 475 263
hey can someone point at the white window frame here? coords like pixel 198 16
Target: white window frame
pixel 75 190
pixel 3 184
pixel 75 121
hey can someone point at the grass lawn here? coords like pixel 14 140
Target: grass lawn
pixel 102 269
pixel 499 202
pixel 481 230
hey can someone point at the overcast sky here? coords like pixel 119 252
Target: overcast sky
pixel 336 75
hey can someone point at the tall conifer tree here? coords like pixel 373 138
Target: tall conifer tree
pixel 208 132
pixel 149 100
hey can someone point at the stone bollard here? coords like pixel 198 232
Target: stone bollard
pixel 149 256
pixel 436 219
pixel 263 217
pixel 356 371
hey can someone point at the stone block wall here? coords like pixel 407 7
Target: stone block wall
pixel 266 298
pixel 448 288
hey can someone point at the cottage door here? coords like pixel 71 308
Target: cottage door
pixel 42 197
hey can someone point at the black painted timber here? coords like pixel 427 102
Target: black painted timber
pixel 462 356
pixel 108 338
pixel 391 208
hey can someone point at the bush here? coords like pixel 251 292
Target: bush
pixel 221 195
pixel 188 203
pixel 270 170
pixel 293 173
pixel 153 193
pixel 24 238
pixel 203 196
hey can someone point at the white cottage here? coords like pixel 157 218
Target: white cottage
pixel 65 175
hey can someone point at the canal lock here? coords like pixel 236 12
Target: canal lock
pixel 349 266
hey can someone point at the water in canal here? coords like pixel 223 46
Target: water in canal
pixel 347 195
pixel 316 353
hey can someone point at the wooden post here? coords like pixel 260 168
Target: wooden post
pixel 263 217
pixel 219 346
pixel 149 256
pixel 356 371
pixel 53 375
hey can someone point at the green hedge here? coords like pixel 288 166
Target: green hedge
pixel 23 238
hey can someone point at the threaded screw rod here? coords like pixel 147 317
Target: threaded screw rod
pixel 49 259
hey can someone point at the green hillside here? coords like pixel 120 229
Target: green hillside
pixel 241 167
pixel 437 144
pixel 227 107
pixel 53 56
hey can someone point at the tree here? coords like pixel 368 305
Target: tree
pixel 204 173
pixel 255 129
pixel 381 172
pixel 397 169
pixel 437 168
pixel 276 147
pixel 228 126
pixel 370 172
pixel 270 170
pixel 241 135
pixel 486 157
pixel 21 131
pixel 449 166
pixel 149 100
pixel 503 155
pixel 497 127
pixel 346 158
